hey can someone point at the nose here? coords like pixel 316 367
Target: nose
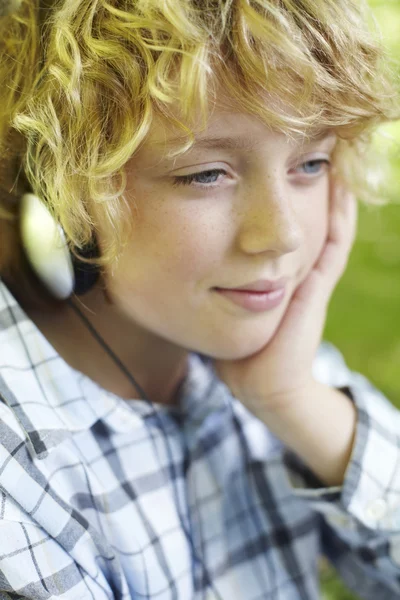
pixel 269 222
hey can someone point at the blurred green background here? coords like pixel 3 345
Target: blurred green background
pixel 364 320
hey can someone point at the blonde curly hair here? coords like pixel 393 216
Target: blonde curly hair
pixel 83 80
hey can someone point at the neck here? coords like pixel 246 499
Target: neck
pixel 157 365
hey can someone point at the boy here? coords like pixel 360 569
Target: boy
pixel 191 160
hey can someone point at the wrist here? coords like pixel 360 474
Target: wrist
pixel 317 423
pixel 279 404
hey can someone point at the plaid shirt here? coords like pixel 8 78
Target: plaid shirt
pixel 105 498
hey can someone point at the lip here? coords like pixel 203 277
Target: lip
pixel 254 301
pixel 261 285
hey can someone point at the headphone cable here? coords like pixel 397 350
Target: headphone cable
pixel 125 370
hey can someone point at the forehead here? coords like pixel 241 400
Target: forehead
pixel 227 129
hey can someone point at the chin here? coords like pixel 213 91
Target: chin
pixel 243 345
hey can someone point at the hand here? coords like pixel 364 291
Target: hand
pixel 282 370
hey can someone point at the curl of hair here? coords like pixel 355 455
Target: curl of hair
pixel 83 80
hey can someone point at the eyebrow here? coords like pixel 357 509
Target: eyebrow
pixel 236 143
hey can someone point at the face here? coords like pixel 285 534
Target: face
pixel 244 204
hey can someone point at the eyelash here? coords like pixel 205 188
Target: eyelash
pixel 191 177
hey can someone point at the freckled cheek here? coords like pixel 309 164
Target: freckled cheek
pixel 181 246
pixel 193 255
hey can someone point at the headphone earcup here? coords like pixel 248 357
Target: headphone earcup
pixel 86 274
pixel 45 246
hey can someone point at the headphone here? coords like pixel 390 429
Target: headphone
pixel 49 256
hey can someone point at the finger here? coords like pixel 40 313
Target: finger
pixel 312 296
pixel 342 229
pixel 317 289
pixel 343 213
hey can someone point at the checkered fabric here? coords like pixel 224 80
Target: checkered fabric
pixel 105 498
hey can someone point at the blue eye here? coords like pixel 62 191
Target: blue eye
pixel 315 165
pixel 203 178
pixel 208 179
